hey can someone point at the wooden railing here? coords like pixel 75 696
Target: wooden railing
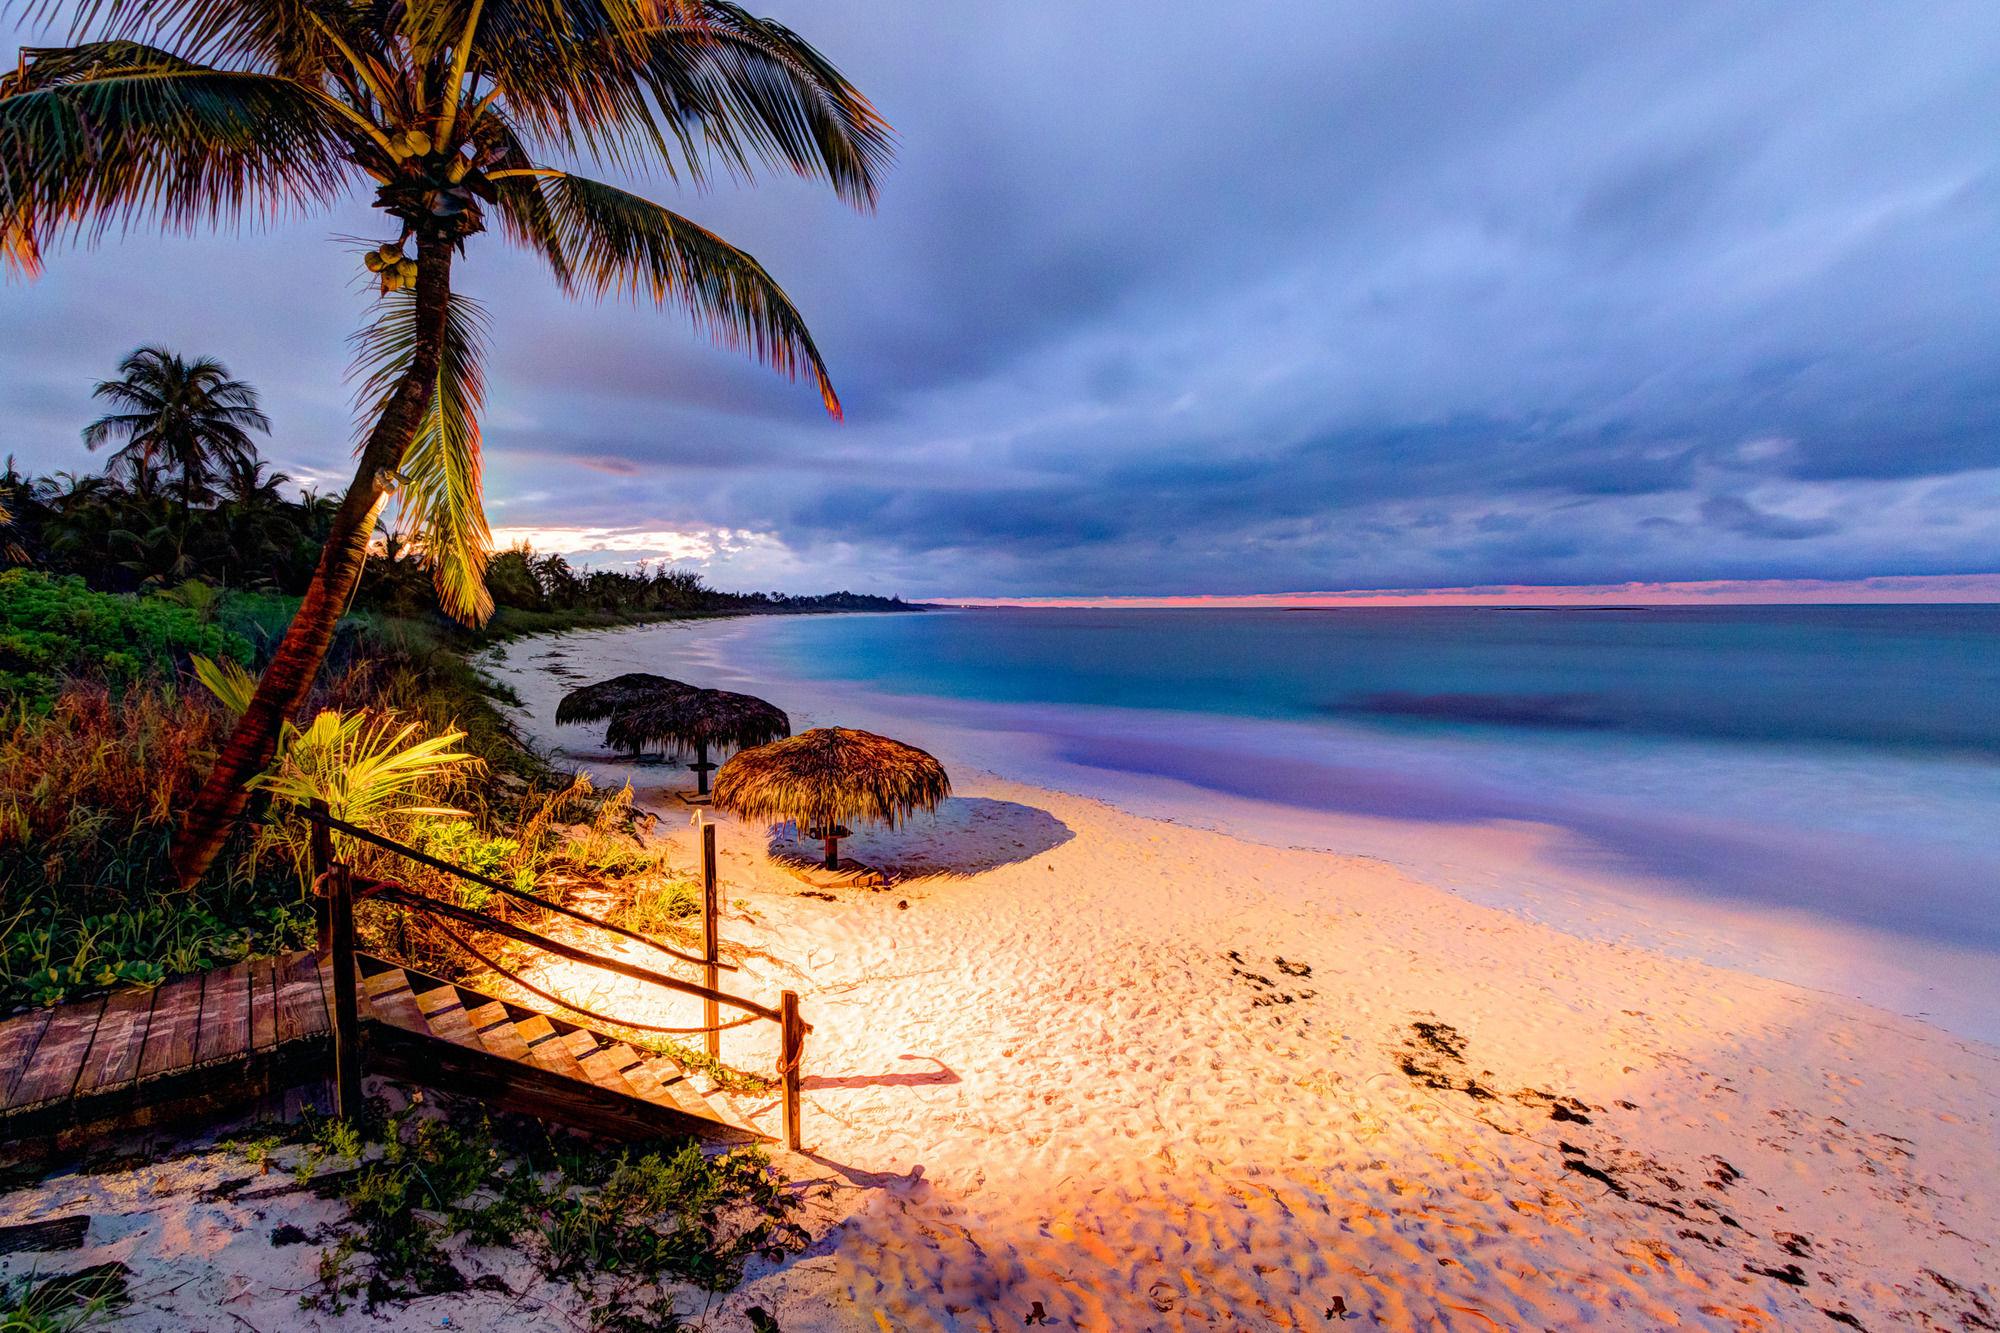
pixel 339 888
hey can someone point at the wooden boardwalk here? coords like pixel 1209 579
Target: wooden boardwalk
pixel 223 1040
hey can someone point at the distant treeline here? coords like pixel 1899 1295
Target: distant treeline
pixel 148 528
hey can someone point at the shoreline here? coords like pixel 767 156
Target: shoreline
pixel 1154 1076
pixel 1537 870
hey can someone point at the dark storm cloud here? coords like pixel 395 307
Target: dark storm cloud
pixel 1165 298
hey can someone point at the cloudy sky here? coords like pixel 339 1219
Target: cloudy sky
pixel 1170 298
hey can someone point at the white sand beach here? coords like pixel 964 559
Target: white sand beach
pixel 1081 1069
pixel 1138 1075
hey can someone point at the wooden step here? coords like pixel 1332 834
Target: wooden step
pixel 444 1012
pixel 201 1042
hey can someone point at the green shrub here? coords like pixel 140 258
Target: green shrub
pixel 65 1303
pixel 460 843
pixel 88 795
pixel 55 627
pixel 673 1214
pixel 661 907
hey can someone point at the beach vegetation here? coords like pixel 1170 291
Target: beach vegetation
pixel 65 1302
pixel 623 1227
pixel 725 1077
pixel 52 628
pixel 367 768
pixel 662 905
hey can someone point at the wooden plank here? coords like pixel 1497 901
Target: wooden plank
pixel 396 1007
pixel 385 983
pixel 445 1013
pixel 373 984
pixel 604 1068
pixel 225 1015
pixel 551 1054
pixel 56 1233
pixel 579 1042
pixel 18 1036
pixel 672 1087
pixel 495 1027
pixel 508 1085
pixel 263 1005
pixel 484 1015
pixel 113 1061
pixel 301 998
pixel 58 1058
pixel 170 1035
pixel 644 1082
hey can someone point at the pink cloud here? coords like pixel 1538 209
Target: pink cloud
pixel 1715 592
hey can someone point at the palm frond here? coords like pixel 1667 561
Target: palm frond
pixel 119 132
pixel 277 35
pixel 439 499
pixel 637 83
pixel 613 242
pixel 227 679
pixel 757 89
pixel 524 214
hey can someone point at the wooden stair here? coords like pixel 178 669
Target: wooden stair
pixel 456 1039
pixel 259 1031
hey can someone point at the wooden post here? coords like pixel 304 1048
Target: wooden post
pixel 711 941
pixel 346 1008
pixel 701 767
pixel 319 861
pixel 791 1046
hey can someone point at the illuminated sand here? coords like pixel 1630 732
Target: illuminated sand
pixel 1073 1071
pixel 1047 1080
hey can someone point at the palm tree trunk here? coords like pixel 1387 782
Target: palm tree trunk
pixel 289 677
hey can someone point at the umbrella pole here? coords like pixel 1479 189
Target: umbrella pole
pixel 701 768
pixel 833 853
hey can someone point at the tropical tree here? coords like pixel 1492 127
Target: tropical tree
pixel 189 112
pixel 186 420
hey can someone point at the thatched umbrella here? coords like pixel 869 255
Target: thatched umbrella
pixel 608 698
pixel 827 776
pixel 698 719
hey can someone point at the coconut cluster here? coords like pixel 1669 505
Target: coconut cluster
pixel 396 270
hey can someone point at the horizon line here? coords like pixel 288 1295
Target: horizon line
pixel 1894 589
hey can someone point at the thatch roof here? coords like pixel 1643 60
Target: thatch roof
pixel 698 719
pixel 831 776
pixel 606 698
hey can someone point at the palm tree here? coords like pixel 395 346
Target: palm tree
pixel 189 112
pixel 186 419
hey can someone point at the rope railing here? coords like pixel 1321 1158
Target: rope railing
pixel 396 893
pixel 576 1008
pixel 485 881
pixel 338 885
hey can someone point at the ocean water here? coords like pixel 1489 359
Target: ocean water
pixel 1819 787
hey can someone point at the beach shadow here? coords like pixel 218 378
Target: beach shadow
pixel 968 835
pixel 916 1078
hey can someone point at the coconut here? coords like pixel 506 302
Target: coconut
pixel 417 142
pixel 373 261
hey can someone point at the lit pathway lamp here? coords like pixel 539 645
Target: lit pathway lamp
pixel 828 777
pixel 699 720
